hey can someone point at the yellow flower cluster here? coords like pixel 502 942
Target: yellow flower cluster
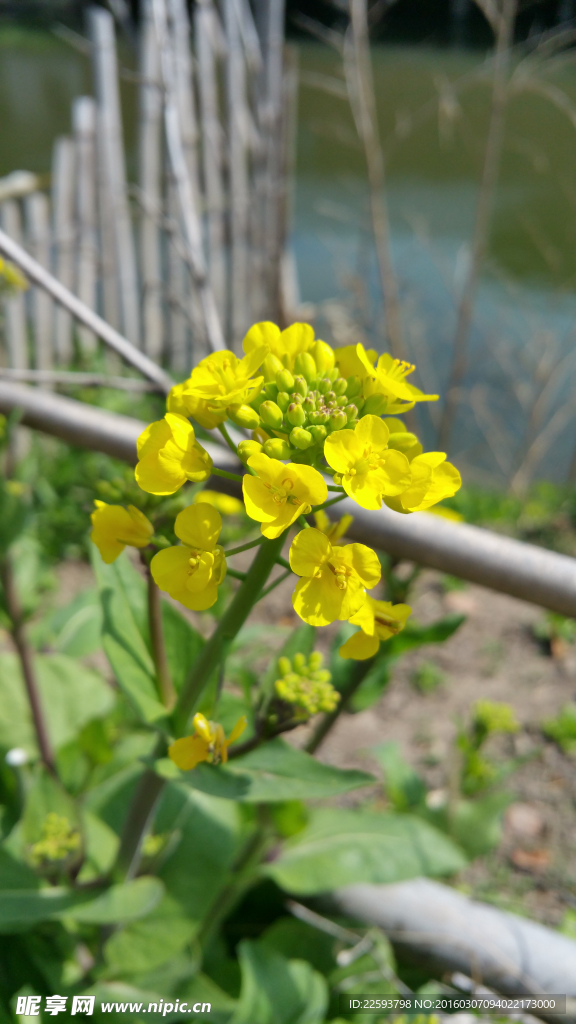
pixel 315 412
pixel 306 685
pixel 207 743
pixel 58 841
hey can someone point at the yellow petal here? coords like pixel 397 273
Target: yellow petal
pixel 159 476
pixel 310 549
pixel 108 547
pixel 153 438
pixel 309 485
pixel 188 752
pixel 264 333
pixel 350 365
pixel 295 339
pixel 318 601
pixel 238 729
pixel 169 569
pixel 203 727
pixel 342 450
pixel 199 526
pixel 362 560
pixel 182 430
pixel 286 515
pixel 390 619
pixel 362 490
pixel 258 500
pixel 360 646
pixel 371 430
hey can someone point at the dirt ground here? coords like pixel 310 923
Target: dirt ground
pixel 495 656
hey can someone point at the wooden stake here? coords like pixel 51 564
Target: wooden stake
pixel 37 217
pixel 14 305
pixel 86 259
pixel 63 183
pixel 150 178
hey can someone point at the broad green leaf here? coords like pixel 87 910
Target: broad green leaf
pixel 14 874
pixel 403 785
pixel 23 908
pixel 295 939
pixel 71 696
pixel 200 989
pixel 183 643
pixel 144 945
pixel 74 630
pixel 44 796
pixel 207 836
pixel 275 771
pixel 124 638
pixel 475 824
pixel 100 847
pixel 126 902
pixel 278 991
pixel 341 847
pixel 111 799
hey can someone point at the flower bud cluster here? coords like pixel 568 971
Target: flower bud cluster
pixel 306 685
pixel 59 840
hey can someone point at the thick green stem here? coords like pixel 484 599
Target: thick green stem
pixel 139 818
pixel 226 475
pixel 357 676
pixel 229 626
pixel 166 689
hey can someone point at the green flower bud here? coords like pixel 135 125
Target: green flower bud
pixel 285 381
pixel 338 420
pixel 297 398
pixel 318 433
pixel 324 385
pixel 375 405
pixel 359 402
pixel 353 387
pixel 296 415
pixel 304 364
pixel 258 399
pixel 323 356
pixel 283 400
pixel 317 418
pixel 301 438
pixel 284 666
pixel 351 412
pixel 300 386
pixel 271 415
pixel 315 661
pixel 271 391
pixel 329 398
pixel 309 405
pixel 339 386
pixel 244 416
pixel 299 662
pixel 270 367
pixel 342 402
pixel 333 374
pixel 246 449
pixel 276 448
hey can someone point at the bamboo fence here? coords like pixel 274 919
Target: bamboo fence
pixel 182 260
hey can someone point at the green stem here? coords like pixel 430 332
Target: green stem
pixel 303 522
pixel 276 582
pixel 227 438
pixel 244 547
pixel 235 573
pixel 226 474
pixel 139 818
pixel 166 689
pixel 333 501
pixel 243 873
pixel 229 626
pixel 333 487
pixel 283 563
pixel 357 676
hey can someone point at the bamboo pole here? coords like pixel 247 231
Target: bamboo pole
pixel 39 276
pixel 113 166
pixel 177 279
pixel 209 41
pixel 63 184
pixel 14 305
pixel 185 91
pixel 237 172
pixel 86 259
pixel 150 179
pixel 188 212
pixel 37 220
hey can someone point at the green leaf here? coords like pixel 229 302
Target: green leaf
pixel 275 771
pixel 278 991
pixel 403 785
pixel 183 643
pixel 71 695
pixel 197 869
pixel 24 908
pixel 126 902
pixel 100 847
pixel 475 824
pixel 44 796
pixel 14 874
pixel 124 636
pixel 145 945
pixel 341 847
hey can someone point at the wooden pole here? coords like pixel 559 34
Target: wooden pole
pixel 113 167
pixel 150 179
pixel 37 219
pixel 86 259
pixel 63 183
pixel 14 305
pixel 237 171
pixel 209 42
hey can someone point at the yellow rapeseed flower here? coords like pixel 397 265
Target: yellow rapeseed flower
pixel 390 378
pixel 114 527
pixel 220 381
pixel 169 456
pixel 349 363
pixel 432 480
pixel 369 469
pixel 208 743
pixel 333 530
pixel 279 493
pixel 334 578
pixel 225 503
pixel 186 405
pixel 191 572
pixel 284 345
pixel 378 621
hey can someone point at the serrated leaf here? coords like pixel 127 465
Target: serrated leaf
pixel 275 771
pixel 278 991
pixel 343 847
pixel 71 695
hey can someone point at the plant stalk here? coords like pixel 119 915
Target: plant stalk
pixel 359 672
pixel 139 818
pixel 164 679
pixel 243 872
pixel 17 631
pixel 229 626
